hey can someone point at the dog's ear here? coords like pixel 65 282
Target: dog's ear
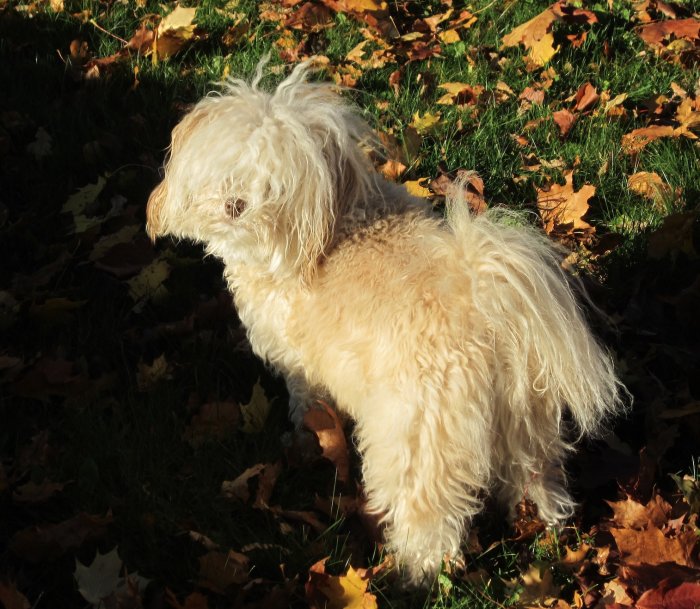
pixel 321 163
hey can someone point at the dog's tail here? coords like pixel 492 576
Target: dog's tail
pixel 544 349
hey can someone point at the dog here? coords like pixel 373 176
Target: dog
pixel 455 342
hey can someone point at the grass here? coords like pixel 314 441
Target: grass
pixel 121 449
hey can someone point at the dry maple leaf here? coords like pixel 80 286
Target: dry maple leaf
pixel 668 595
pixel 562 208
pixel 631 514
pixel 651 186
pixel 174 31
pixel 656 34
pixel 219 571
pixel 349 591
pixel 652 547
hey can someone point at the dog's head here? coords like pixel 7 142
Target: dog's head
pixel 262 177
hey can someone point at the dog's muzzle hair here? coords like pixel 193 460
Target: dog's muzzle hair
pixel 456 344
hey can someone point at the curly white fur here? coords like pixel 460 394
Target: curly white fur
pixel 456 345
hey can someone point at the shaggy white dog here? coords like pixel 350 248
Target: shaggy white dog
pixel 455 344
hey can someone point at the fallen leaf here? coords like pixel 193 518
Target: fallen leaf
pixel 195 600
pixel 392 170
pixel 255 411
pixel 651 546
pixel 675 235
pixel 148 284
pixel 633 515
pixel 535 35
pixel 417 188
pixel 655 34
pixel 33 493
pixel 238 488
pixel 562 208
pixel 323 421
pixel 633 142
pixel 214 421
pixel 174 31
pixel 325 591
pixel 669 596
pixel 101 581
pixel 426 123
pixel 219 571
pixel 651 186
pixel 586 97
pixel 460 94
pixel 535 96
pixel 11 598
pixel 472 191
pixel 147 375
pixel 48 542
pixel 564 120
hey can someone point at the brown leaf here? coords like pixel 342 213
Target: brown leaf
pixel 32 493
pixel 634 141
pixel 310 17
pixel 473 192
pixel 676 235
pixel 565 121
pixel 48 542
pixel 668 596
pixel 634 515
pixel 238 488
pixel 655 34
pixel 266 485
pixel 535 96
pixel 392 170
pixel 11 598
pixel 651 186
pixel 586 97
pixel 535 35
pixel 195 600
pixel 527 523
pixel 562 209
pixel 219 571
pixel 651 546
pixel 323 421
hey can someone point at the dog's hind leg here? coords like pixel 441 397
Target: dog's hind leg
pixel 426 463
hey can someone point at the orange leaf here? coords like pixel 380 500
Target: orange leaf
pixel 651 186
pixel 323 421
pixel 565 121
pixel 586 97
pixel 655 33
pixel 634 141
pixel 651 546
pixel 562 209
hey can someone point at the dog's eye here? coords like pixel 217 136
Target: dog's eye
pixel 234 207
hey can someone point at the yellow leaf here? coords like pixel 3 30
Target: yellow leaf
pixel 426 123
pixel 174 31
pixel 180 18
pixel 454 88
pixel 542 50
pixel 255 412
pixel 415 188
pixel 149 282
pixel 348 592
pixel 449 36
